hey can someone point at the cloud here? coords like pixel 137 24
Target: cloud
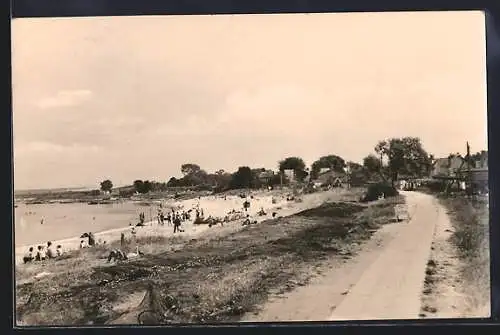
pixel 65 99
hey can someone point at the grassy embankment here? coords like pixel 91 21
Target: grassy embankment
pixel 470 219
pixel 215 278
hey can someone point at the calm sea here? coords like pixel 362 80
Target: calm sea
pixel 61 221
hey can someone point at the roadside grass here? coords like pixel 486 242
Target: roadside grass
pixel 212 279
pixel 470 219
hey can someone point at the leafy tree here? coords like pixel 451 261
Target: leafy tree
pixel 189 169
pixel 332 162
pixel 404 156
pixel 296 164
pixel 372 164
pixel 357 175
pixel 142 186
pixel 173 182
pixel 147 186
pixel 223 179
pixel 106 185
pixel 138 185
pixel 242 178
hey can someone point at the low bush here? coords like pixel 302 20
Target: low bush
pixel 377 190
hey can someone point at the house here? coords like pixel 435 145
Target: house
pixel 290 175
pixel 331 178
pixel 265 176
pixel 482 161
pixel 448 167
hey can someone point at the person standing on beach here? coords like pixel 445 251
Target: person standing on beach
pixel 91 239
pixel 59 250
pixel 41 221
pixel 177 223
pixel 122 240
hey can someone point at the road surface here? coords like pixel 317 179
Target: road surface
pixel 384 281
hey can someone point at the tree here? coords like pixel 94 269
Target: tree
pixel 173 182
pixel 332 162
pixel 142 186
pixel 242 178
pixel 106 185
pixel 189 169
pixel 357 174
pixel 404 156
pixel 296 164
pixel 372 164
pixel 138 185
pixel 147 186
pixel 223 179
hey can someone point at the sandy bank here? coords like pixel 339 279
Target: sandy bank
pixel 217 206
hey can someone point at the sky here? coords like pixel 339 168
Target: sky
pixel 129 98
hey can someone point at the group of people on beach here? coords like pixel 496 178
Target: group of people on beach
pixel 43 253
pixel 90 242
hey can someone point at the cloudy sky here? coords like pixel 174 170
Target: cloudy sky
pixel 135 97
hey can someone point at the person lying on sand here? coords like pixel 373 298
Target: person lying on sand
pixel 262 212
pixel 51 253
pixel 40 254
pixel 29 257
pixel 116 255
pixel 247 221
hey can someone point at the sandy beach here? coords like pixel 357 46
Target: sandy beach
pixel 216 206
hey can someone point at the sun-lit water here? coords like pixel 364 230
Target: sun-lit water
pixel 62 221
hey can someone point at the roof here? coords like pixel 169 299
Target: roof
pixel 266 174
pixel 331 174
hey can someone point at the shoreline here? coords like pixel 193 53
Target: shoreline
pixel 152 228
pixel 286 208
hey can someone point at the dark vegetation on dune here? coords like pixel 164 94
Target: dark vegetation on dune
pixel 212 280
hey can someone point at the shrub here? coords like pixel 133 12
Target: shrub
pixel 436 186
pixel 377 190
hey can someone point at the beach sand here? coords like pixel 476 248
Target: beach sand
pixel 215 206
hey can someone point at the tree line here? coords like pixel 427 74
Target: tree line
pixel 390 159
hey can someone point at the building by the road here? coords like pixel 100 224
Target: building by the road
pixel 331 177
pixel 448 167
pixel 266 176
pixel 290 175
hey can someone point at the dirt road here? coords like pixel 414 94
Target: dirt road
pixel 384 281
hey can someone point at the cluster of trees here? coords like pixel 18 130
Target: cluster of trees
pixel 391 158
pixel 399 156
pixel 194 175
